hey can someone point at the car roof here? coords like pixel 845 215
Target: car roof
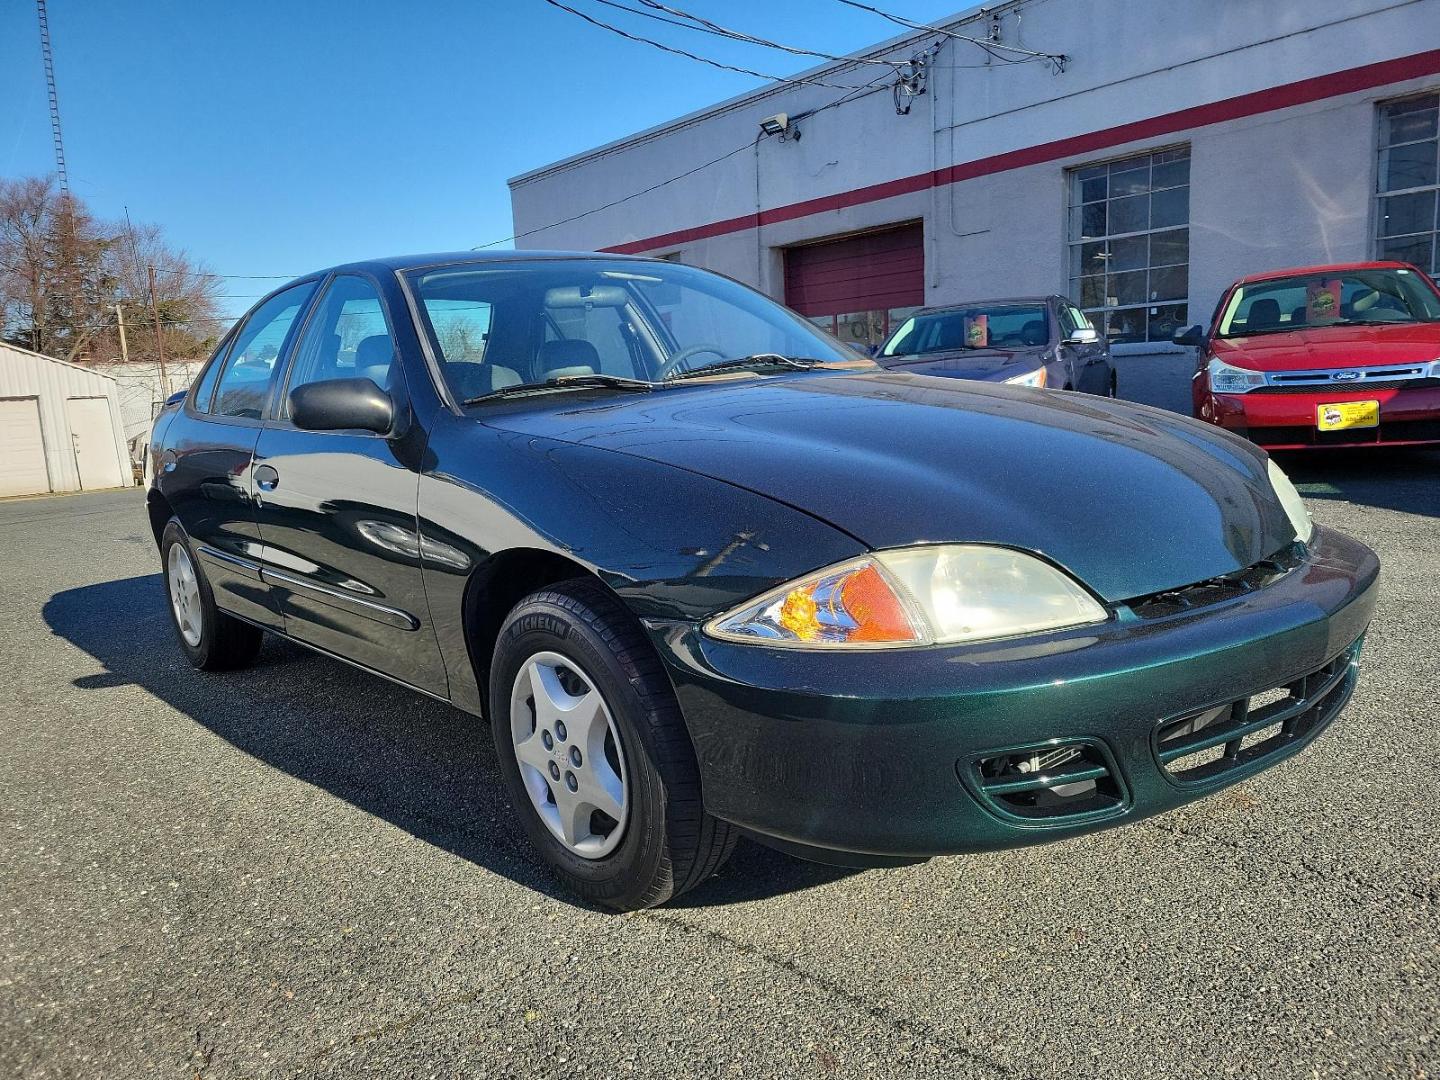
pixel 935 309
pixel 452 258
pixel 1326 268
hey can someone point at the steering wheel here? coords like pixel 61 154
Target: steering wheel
pixel 669 367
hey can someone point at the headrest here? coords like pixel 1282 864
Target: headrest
pixel 569 353
pixel 374 351
pixel 1033 332
pixel 1263 312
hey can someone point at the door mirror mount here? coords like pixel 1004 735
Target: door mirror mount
pixel 1082 335
pixel 1192 338
pixel 342 405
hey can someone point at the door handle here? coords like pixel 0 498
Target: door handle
pixel 266 478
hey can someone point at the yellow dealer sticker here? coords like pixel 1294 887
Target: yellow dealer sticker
pixel 1347 414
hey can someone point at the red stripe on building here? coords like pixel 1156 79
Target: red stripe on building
pixel 1318 88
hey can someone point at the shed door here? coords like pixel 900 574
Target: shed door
pixel 94 437
pixel 22 448
pixel 860 287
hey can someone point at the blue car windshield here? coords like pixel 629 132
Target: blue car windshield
pixel 502 327
pixel 979 326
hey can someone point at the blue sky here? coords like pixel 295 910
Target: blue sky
pixel 274 138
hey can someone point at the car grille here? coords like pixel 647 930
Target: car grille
pixel 1388 431
pixel 1352 387
pixel 1058 781
pixel 1206 745
pixel 1219 589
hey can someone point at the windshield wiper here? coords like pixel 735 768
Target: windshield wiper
pixel 563 382
pixel 754 360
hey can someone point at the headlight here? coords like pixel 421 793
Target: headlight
pixel 1434 369
pixel 1225 379
pixel 1293 504
pixel 914 596
pixel 1030 378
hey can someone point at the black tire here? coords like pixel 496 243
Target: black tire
pixel 225 643
pixel 669 843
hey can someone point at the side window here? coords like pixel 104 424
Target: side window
pixel 347 338
pixel 1072 319
pixel 250 367
pixel 206 390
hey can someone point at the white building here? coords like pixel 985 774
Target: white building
pixel 60 426
pixel 1176 147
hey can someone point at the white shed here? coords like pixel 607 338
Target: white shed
pixel 60 426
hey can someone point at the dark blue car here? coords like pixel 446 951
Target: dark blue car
pixel 1027 341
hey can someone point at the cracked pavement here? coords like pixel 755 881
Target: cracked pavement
pixel 300 870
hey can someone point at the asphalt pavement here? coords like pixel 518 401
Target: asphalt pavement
pixel 300 870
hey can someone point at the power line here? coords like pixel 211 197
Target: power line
pixel 705 26
pixel 1056 60
pixel 796 80
pixel 854 95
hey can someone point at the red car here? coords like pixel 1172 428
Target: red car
pixel 1344 355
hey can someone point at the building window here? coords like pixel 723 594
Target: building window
pixel 1130 244
pixel 1409 182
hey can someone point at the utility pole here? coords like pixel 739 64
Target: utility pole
pixel 120 322
pixel 159 339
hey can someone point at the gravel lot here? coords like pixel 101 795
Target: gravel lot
pixel 301 870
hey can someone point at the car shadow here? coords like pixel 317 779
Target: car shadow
pixel 418 764
pixel 1389 478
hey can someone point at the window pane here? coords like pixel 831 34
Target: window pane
pixel 1171 174
pixel 1128 254
pixel 1088 220
pixel 1412 249
pixel 1092 291
pixel 1170 207
pixel 1170 248
pixel 1092 258
pixel 1127 288
pixel 1406 121
pixel 1165 321
pixel 1130 181
pixel 1408 166
pixel 245 385
pixel 1171 283
pixel 347 338
pixel 1407 213
pixel 1126 326
pixel 1093 189
pixel 206 389
pixel 1129 215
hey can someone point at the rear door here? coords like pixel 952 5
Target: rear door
pixel 206 468
pixel 337 509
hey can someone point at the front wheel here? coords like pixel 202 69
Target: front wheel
pixel 595 753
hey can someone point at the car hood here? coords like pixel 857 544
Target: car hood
pixel 991 365
pixel 1333 347
pixel 1130 500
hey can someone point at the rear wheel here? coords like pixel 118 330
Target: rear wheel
pixel 595 753
pixel 210 639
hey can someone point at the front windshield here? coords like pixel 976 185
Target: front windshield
pixel 1307 301
pixel 555 322
pixel 980 326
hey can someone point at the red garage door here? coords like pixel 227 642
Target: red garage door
pixel 861 287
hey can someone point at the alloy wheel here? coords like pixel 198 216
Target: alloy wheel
pixel 568 748
pixel 184 594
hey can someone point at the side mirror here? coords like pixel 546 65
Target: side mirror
pixel 1083 335
pixel 1193 338
pixel 342 405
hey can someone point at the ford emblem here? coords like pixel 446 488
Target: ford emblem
pixel 1346 376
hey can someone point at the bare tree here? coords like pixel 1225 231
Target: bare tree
pixel 62 271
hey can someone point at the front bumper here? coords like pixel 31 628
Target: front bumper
pixel 1287 421
pixel 871 753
